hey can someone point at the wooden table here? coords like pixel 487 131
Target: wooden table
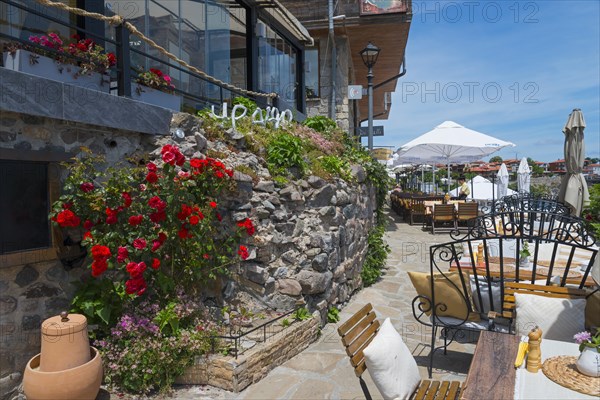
pixel 492 372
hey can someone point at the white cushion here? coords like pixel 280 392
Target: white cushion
pixel 484 289
pixel 559 319
pixel 390 364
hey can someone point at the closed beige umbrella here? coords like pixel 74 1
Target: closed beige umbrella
pixel 573 188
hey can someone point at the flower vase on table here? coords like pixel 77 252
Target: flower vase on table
pixel 588 362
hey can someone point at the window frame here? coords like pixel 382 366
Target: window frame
pixel 50 253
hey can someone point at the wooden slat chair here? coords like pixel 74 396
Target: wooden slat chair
pixel 358 331
pixel 417 209
pixel 466 211
pixel 443 214
pixel 510 288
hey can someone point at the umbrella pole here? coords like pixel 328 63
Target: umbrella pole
pixel 472 190
pixel 433 180
pixel 448 184
pixel 422 179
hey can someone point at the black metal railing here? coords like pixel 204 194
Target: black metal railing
pixel 236 336
pixel 121 75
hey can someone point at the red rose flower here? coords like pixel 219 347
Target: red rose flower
pixel 67 218
pixel 86 187
pixel 151 167
pixel 229 172
pixel 158 216
pixel 135 220
pixel 219 217
pixel 155 263
pixel 88 236
pixel 205 256
pixel 126 199
pixel 151 177
pixel 184 233
pixel 88 225
pixel 213 204
pixel 194 219
pixel 136 270
pixel 98 268
pixel 247 224
pixel 139 243
pixel 219 175
pixel 122 254
pixel 137 286
pixel 184 213
pixel 156 203
pixel 169 158
pixel 100 252
pixel 243 252
pixel 111 216
pixel 162 237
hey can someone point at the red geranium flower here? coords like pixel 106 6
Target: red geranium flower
pixel 243 252
pixel 248 225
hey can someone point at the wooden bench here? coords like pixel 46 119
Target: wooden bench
pixel 358 331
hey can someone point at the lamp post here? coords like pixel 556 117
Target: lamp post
pixel 369 56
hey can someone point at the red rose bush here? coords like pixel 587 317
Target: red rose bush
pixel 152 226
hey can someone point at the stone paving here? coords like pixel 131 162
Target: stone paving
pixel 323 370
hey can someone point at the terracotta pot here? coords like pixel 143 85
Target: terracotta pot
pixel 82 382
pixel 65 342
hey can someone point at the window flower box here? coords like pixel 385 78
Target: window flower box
pixel 156 97
pixel 34 64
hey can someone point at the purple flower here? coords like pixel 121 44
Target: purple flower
pixel 582 337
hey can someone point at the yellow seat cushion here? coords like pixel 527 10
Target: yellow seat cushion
pixel 592 311
pixel 446 292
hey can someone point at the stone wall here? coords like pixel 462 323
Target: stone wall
pixel 235 374
pixel 309 247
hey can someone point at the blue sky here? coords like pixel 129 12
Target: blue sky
pixel 512 70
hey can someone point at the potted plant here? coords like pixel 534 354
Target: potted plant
pixel 524 255
pixel 81 63
pixel 155 87
pixel 588 362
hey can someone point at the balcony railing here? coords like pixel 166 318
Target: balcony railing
pixel 122 75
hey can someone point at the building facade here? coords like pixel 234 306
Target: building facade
pixel 334 61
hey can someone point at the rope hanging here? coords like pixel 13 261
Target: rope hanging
pixel 117 20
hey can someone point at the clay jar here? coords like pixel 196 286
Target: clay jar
pixel 65 343
pixel 67 368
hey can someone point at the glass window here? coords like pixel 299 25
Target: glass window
pixel 311 72
pixel 210 35
pixel 24 206
pixel 21 24
pixel 277 64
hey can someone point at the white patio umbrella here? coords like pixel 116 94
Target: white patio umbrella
pixel 573 188
pixel 450 142
pixel 482 189
pixel 502 181
pixel 524 176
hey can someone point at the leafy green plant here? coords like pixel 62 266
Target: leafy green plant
pixel 320 124
pixel 246 102
pixel 337 166
pixel 592 213
pixel 100 301
pixel 285 152
pixel 333 315
pixel 167 319
pixel 285 322
pixel 376 256
pixel 301 314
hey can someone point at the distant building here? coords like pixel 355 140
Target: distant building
pixel 592 169
pixel 557 166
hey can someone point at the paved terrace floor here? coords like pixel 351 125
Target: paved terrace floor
pixel 323 370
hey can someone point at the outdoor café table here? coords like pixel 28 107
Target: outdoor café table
pixel 492 374
pixel 430 203
pixel 525 274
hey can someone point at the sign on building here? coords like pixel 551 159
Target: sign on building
pixel 364 131
pixel 371 7
pixel 355 92
pixel 381 153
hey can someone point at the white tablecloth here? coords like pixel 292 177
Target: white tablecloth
pixel 538 386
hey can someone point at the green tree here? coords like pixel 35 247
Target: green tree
pixel 535 169
pixel 497 159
